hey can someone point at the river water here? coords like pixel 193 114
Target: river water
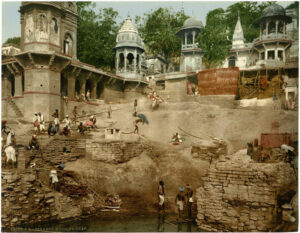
pixel 139 223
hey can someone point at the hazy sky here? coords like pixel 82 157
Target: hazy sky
pixel 11 19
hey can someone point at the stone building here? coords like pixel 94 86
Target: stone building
pixel 191 55
pixel 46 68
pixel 274 54
pixel 129 51
pixel 9 50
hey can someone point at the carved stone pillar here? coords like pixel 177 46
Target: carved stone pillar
pixel 117 62
pixel 82 83
pixel 18 84
pixel 71 87
pixel 94 89
pixel 6 86
pixel 134 61
pixel 125 61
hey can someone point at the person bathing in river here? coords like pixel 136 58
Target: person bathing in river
pixel 161 196
pixel 179 200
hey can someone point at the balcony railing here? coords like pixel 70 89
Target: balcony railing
pixel 190 46
pixel 273 36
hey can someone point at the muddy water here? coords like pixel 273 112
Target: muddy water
pixel 140 223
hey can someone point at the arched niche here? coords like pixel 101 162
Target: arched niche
pixel 68 44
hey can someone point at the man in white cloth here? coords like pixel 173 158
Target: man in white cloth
pixel 53 179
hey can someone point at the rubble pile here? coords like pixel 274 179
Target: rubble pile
pixel 25 200
pixel 241 195
pixel 209 150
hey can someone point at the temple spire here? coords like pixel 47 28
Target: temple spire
pixel 238 35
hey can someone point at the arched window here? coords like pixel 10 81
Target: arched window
pixel 121 61
pixel 55 24
pixel 190 39
pixel 130 58
pixel 280 27
pixel 272 27
pixel 263 29
pixel 68 45
pixel 42 23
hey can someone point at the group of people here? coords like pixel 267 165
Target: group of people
pixel 54 126
pixel 183 200
pixel 82 96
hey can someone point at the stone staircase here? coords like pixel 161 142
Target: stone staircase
pixel 15 108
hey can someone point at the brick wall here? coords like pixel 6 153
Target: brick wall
pixel 241 196
pixel 113 151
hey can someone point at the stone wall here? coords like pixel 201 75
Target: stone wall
pixel 26 200
pixel 241 195
pixel 113 151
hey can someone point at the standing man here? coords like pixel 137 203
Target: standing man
pixel 42 122
pixel 189 200
pixel 161 196
pixel 56 120
pixel 179 201
pixel 109 112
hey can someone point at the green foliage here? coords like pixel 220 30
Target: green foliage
pixel 294 5
pixel 13 40
pixel 215 38
pixel 96 35
pixel 158 30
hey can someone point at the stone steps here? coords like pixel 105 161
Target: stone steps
pixel 15 108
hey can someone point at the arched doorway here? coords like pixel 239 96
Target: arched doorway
pixel 231 61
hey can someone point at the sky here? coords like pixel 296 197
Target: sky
pixel 10 25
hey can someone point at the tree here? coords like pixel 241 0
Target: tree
pixel 96 35
pixel 213 39
pixel 216 38
pixel 158 30
pixel 13 40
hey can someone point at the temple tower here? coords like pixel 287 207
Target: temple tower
pixel 129 51
pixel 273 41
pixel 48 44
pixel 191 55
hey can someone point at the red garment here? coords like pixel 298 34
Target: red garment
pixel 263 82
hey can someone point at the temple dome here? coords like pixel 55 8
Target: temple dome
pixel 128 36
pixel 273 10
pixel 192 22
